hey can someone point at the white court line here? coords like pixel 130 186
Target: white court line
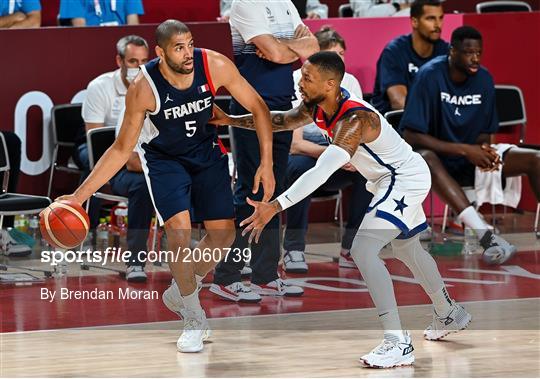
pixel 101 327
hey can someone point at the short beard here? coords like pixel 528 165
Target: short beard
pixel 177 68
pixel 427 39
pixel 314 101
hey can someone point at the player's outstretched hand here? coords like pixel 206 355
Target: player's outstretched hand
pixel 262 214
pixel 265 176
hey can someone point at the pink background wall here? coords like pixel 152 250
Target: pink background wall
pixel 366 39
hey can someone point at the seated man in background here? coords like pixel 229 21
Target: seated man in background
pixel 449 118
pixel 104 103
pixel 20 14
pixel 402 57
pixel 101 13
pixel 307 145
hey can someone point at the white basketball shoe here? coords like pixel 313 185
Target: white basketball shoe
pixel 457 319
pixel 196 331
pixel 391 352
pixel 496 249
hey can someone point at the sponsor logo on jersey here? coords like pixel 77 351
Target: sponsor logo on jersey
pixel 188 108
pixel 461 100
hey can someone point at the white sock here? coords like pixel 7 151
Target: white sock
pixel 441 302
pixel 199 278
pixel 391 325
pixel 472 219
pixel 192 303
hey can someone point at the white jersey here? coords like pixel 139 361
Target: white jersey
pixel 398 177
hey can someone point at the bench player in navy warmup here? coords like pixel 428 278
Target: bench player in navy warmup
pixel 167 110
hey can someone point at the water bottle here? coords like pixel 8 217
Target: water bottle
pixel 21 223
pixel 470 242
pixel 33 227
pixel 102 235
pixel 122 233
pixel 60 270
pixel 113 236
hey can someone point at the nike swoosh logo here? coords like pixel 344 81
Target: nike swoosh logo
pixel 287 197
pixel 318 121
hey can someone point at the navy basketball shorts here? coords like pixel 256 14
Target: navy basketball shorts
pixel 176 186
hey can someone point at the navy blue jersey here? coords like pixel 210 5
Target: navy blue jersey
pixel 398 65
pixel 179 126
pixel 449 111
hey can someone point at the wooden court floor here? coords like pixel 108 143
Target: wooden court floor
pixel 502 341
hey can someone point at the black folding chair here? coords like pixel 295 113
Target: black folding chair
pixel 67 126
pixel 502 6
pixel 98 141
pixel 345 10
pixel 511 108
pixel 12 204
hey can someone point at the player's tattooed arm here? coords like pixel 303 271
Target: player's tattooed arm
pixel 281 120
pixel 359 127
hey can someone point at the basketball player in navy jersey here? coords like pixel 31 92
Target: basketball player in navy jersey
pixel 399 180
pixel 186 171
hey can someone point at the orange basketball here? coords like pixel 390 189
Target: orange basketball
pixel 64 224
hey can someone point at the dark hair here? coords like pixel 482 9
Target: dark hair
pixel 329 61
pixel 417 7
pixel 464 32
pixel 328 37
pixel 167 29
pixel 123 42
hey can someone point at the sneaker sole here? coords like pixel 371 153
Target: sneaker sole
pixel 407 362
pixel 346 265
pixel 227 296
pixel 266 292
pixel 198 348
pixel 449 331
pixel 137 279
pixel 296 270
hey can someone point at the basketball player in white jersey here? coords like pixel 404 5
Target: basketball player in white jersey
pixel 186 173
pixel 399 179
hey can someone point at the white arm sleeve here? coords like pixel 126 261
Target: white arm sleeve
pixel 331 160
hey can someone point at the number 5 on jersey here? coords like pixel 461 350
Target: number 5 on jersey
pixel 190 130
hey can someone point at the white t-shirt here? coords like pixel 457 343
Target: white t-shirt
pixel 105 99
pixel 252 18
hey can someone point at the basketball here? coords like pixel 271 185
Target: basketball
pixel 64 224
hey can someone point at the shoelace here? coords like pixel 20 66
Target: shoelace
pixel 384 347
pixel 239 287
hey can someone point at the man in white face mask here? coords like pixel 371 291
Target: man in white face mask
pixel 103 106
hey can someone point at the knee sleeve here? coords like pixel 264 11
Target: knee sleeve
pixel 420 262
pixel 365 249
